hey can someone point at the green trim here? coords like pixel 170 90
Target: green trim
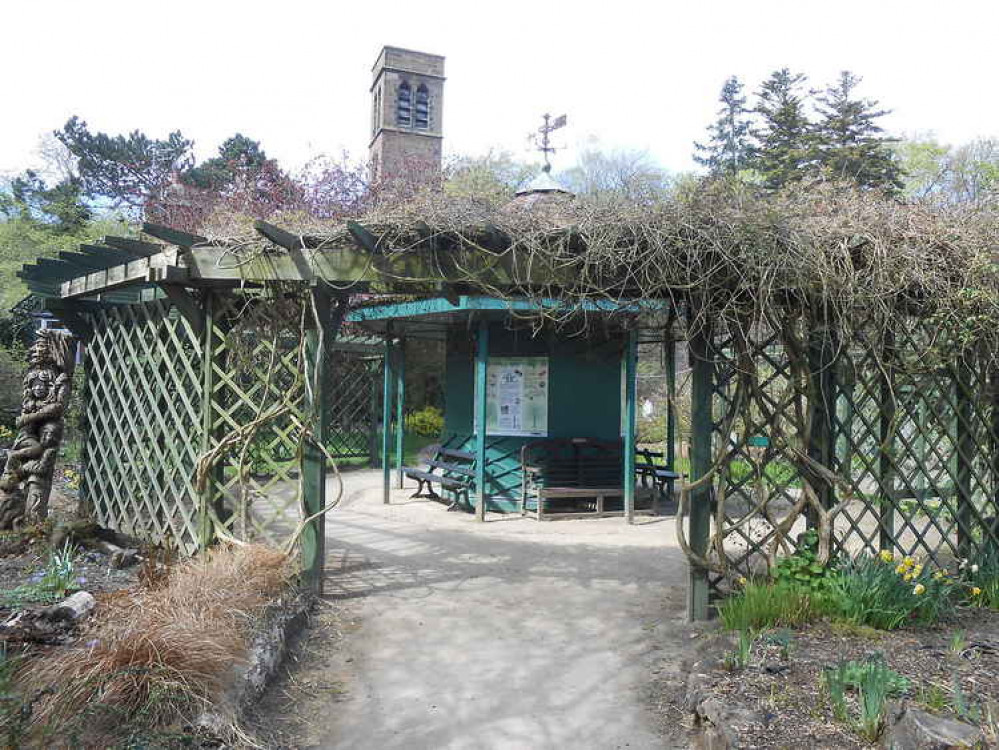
pixel 630 397
pixel 481 363
pixel 440 305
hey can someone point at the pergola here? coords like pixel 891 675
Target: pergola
pixel 198 348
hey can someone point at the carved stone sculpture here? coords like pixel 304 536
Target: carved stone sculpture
pixel 27 478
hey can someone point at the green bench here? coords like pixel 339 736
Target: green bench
pixel 453 470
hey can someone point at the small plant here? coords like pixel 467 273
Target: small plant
pixel 874 681
pixel 739 659
pixel 802 568
pixel 767 605
pixel 6 435
pixel 47 585
pixel 962 707
pixel 933 697
pixel 427 422
pixel 783 639
pixel 958 643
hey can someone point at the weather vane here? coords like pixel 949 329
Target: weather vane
pixel 542 140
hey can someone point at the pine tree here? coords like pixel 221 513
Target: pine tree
pixel 730 145
pixel 785 144
pixel 850 144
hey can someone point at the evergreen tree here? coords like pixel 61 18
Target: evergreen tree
pixel 60 209
pixel 785 145
pixel 126 170
pixel 730 145
pixel 238 156
pixel 850 144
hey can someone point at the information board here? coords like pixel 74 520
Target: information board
pixel 517 396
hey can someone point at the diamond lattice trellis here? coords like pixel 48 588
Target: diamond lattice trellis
pixel 143 423
pixel 913 445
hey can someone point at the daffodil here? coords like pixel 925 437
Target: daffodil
pixel 974 568
pixel 887 556
pixel 918 589
pixel 917 570
pixel 741 580
pixel 939 575
pixel 975 591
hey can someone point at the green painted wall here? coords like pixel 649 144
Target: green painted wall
pixel 584 395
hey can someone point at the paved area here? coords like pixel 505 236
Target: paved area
pixel 509 634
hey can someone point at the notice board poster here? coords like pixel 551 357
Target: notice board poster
pixel 517 396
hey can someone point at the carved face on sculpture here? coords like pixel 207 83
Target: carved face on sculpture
pixel 40 385
pixel 49 434
pixel 39 353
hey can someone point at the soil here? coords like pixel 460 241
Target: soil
pixel 441 632
pixel 785 685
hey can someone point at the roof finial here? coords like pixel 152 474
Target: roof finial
pixel 542 140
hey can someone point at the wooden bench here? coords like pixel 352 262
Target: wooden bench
pixel 452 469
pixel 570 469
pixel 651 471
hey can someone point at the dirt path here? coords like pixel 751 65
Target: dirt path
pixel 445 633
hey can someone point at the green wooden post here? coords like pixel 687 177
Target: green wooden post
pixel 207 397
pixel 822 407
pixel 400 398
pixel 630 396
pixel 670 448
pixel 481 364
pixel 313 462
pixel 886 449
pixel 387 417
pixel 702 384
pixel 965 455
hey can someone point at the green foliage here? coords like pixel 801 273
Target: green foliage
pixel 803 569
pixel 127 170
pixel 652 430
pixel 886 593
pixel 49 584
pixel 237 155
pixel 729 146
pixel 874 682
pixel 739 659
pixel 848 139
pixel 768 605
pixel 427 422
pixel 784 145
pixel 492 178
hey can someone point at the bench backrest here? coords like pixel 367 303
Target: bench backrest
pixel 573 462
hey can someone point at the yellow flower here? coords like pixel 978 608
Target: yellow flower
pixel 917 570
pixel 901 569
pixel 939 575
pixel 887 556
pixel 975 591
pixel 918 589
pixel 909 577
pixel 741 580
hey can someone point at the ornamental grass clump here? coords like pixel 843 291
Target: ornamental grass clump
pixel 159 655
pixel 767 605
pixel 887 592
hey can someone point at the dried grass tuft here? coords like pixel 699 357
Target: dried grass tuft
pixel 160 654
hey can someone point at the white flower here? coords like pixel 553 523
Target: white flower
pixel 974 568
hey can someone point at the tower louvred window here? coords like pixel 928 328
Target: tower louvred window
pixel 404 105
pixel 422 107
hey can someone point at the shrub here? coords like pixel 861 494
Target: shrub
pixel 427 422
pixel 981 580
pixel 887 593
pixel 768 605
pixel 652 430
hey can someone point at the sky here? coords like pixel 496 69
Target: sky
pixel 629 75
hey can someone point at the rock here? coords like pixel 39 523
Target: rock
pixel 73 608
pixel 722 724
pixel 912 729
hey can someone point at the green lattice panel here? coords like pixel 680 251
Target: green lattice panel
pixel 257 368
pixel 143 425
pixel 353 382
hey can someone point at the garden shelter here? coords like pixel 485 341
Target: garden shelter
pixel 208 372
pixel 528 382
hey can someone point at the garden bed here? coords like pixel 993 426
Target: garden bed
pixel 779 698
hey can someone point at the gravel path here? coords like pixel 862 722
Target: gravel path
pixel 510 634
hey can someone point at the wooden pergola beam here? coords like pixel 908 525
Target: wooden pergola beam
pixel 155 269
pixel 173 236
pixel 135 247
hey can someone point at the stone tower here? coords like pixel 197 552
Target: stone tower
pixel 407 102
